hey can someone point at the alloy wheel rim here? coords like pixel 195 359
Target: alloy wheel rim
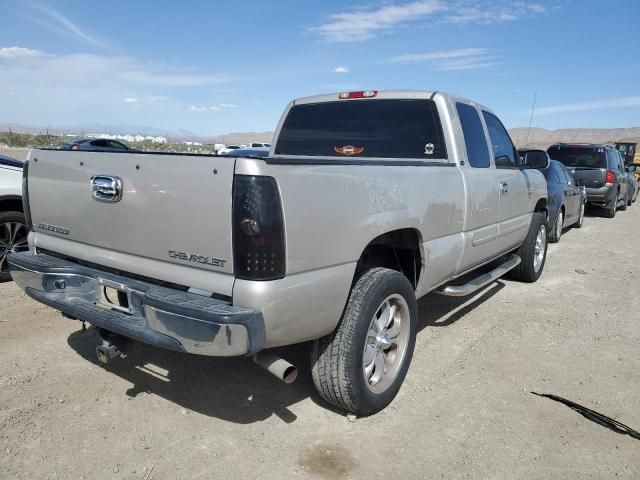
pixel 581 214
pixel 539 249
pixel 386 343
pixel 13 238
pixel 559 223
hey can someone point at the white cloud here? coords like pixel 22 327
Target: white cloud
pixel 341 69
pixel 54 20
pixel 212 108
pixel 460 59
pixel 13 52
pixel 362 25
pixel 73 88
pixel 366 23
pixel 624 102
pixel 492 12
pixel 441 55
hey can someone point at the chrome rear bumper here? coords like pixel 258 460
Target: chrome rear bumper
pixel 160 316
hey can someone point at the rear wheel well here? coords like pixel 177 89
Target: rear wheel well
pixel 398 250
pixel 541 206
pixel 11 204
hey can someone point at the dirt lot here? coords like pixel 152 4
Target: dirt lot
pixel 465 409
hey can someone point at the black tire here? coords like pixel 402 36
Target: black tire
pixel 610 210
pixel 629 199
pixel 625 202
pixel 580 220
pixel 527 271
pixel 337 365
pixel 555 233
pixel 11 218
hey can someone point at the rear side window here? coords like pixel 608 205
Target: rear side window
pixel 364 128
pixel 474 139
pixel 580 157
pixel 113 144
pixel 614 159
pixel 563 177
pixel 503 150
pixel 568 175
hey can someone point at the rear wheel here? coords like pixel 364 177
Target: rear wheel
pixel 533 252
pixel 625 202
pixel 556 232
pixel 362 364
pixel 13 238
pixel 610 210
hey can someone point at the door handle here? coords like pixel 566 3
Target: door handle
pixel 504 187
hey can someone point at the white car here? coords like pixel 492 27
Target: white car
pixel 228 148
pixel 259 145
pixel 13 229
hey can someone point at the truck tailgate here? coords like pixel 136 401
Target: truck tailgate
pixel 174 208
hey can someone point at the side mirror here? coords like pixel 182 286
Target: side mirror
pixel 535 159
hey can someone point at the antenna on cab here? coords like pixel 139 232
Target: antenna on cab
pixel 533 107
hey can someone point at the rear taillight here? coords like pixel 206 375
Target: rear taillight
pixel 258 228
pixel 25 195
pixel 610 178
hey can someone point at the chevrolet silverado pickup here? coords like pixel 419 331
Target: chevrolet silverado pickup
pixel 366 201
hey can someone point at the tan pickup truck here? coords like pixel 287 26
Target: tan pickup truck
pixel 366 201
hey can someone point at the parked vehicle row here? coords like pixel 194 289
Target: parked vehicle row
pixel 601 170
pixel 367 201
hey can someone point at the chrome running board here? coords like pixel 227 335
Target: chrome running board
pixel 483 280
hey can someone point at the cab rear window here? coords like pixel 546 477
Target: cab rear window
pixel 364 128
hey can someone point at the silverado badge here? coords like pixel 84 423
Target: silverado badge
pixel 349 150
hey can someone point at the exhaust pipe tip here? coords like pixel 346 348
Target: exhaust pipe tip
pixel 276 366
pixel 290 375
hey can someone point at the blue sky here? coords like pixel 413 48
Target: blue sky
pixel 218 67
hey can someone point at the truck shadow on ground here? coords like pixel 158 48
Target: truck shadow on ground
pixel 441 311
pixel 234 389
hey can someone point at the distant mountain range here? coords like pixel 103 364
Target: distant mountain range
pixel 537 137
pixel 86 128
pixel 541 138
pixel 176 135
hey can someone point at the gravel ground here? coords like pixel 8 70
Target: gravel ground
pixel 465 409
